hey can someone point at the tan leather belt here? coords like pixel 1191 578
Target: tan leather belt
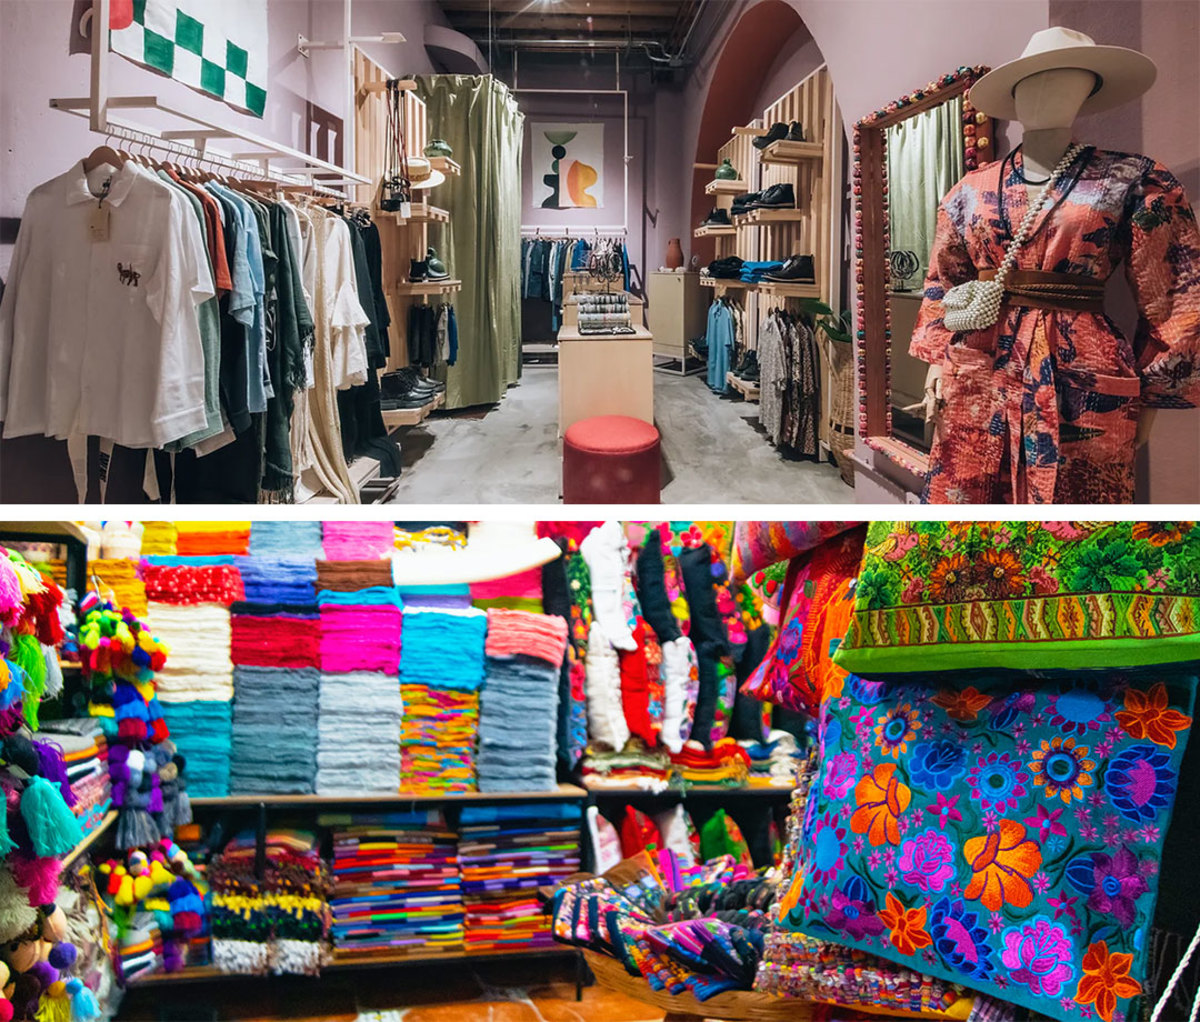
pixel 1041 289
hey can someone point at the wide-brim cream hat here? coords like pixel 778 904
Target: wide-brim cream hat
pixel 421 173
pixel 1121 74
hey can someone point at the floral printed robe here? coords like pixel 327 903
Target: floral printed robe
pixel 1043 407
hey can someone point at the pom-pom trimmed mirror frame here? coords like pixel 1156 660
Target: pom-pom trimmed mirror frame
pixel 873 335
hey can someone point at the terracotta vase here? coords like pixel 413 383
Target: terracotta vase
pixel 674 254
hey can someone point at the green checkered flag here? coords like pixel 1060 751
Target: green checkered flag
pixel 216 46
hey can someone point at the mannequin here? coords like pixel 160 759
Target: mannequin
pixel 1050 401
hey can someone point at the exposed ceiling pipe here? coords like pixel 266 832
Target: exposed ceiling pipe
pixel 577 44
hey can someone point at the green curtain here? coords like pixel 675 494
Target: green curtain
pixel 924 161
pixel 481 245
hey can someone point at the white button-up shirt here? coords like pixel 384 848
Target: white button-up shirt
pixel 101 337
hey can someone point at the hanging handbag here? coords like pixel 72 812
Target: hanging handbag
pixel 975 305
pixel 396 189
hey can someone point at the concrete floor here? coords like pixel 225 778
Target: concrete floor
pixel 713 449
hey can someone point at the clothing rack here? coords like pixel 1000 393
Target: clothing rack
pixel 97 107
pixel 559 232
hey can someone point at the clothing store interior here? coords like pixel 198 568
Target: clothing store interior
pixel 531 251
pixel 613 771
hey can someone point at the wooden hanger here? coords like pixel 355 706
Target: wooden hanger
pixel 100 156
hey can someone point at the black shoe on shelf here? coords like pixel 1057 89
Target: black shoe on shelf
pixel 797 270
pixel 778 130
pixel 741 203
pixel 397 404
pixel 418 271
pixel 780 196
pixel 752 374
pixel 796 132
pixel 717 218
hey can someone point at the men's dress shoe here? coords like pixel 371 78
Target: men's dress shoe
pixel 796 132
pixel 397 404
pixel 780 196
pixel 418 383
pixel 741 201
pixel 418 271
pixel 778 130
pixel 717 218
pixel 797 270
pixel 748 370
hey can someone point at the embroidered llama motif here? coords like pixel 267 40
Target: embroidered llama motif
pixel 129 276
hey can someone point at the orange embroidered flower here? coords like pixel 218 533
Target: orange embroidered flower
pixel 791 897
pixel 881 799
pixel 1002 571
pixel 1061 767
pixel 896 729
pixel 1161 533
pixel 947 576
pixel 1002 862
pixel 962 705
pixel 1105 978
pixel 907 926
pixel 1146 715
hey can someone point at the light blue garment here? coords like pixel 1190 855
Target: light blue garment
pixel 721 340
pixel 256 334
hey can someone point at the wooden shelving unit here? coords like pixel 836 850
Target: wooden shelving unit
pixel 563 792
pixel 720 186
pixel 428 287
pixel 397 417
pixel 721 284
pixel 446 165
pixel 714 231
pixel 758 217
pixel 792 153
pixel 92 837
pixel 776 289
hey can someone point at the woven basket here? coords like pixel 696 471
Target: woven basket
pixel 735 1006
pixel 842 406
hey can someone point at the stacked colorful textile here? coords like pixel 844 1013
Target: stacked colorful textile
pixel 417 537
pixel 201 539
pixel 505 853
pixel 449 597
pixel 357 541
pixel 633 767
pixel 85 757
pixel 396 884
pixel 199 637
pixel 278 579
pixel 180 583
pixel 275 635
pixel 358 733
pixel 514 592
pixel 120 584
pixel 773 763
pixel 274 539
pixel 203 732
pixel 518 708
pixel 360 631
pixel 441 672
pixel 159 538
pixel 281 923
pixel 351 576
pixel 274 746
pixel 726 764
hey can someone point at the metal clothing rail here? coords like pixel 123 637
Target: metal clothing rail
pixel 98 105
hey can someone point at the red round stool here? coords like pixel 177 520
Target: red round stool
pixel 611 459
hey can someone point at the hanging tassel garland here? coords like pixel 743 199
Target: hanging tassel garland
pixel 27 654
pixel 51 767
pixel 52 826
pixel 83 1002
pixel 7 844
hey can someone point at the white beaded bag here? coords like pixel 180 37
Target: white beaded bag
pixel 975 305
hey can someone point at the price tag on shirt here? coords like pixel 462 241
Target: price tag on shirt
pixel 98 223
pixel 406 210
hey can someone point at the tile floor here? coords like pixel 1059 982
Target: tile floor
pixel 497 992
pixel 713 450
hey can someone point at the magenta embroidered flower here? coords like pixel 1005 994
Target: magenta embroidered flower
pixel 1045 822
pixel 998 781
pixel 944 810
pixel 996 923
pixel 840 777
pixel 990 820
pixel 853 910
pixel 1041 882
pixel 891 876
pixel 1064 905
pixel 926 861
pixel 859 844
pixel 1088 831
pixel 1148 834
pixel 1038 953
pixel 1118 885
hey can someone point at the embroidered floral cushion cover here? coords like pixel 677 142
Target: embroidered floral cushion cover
pixel 942 595
pixel 1005 834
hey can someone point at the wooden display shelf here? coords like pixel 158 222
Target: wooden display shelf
pixel 44 530
pixel 792 153
pixel 774 289
pixel 698 790
pixel 204 973
pixel 714 231
pixel 106 821
pixel 561 793
pixel 446 165
pixel 723 186
pixel 427 214
pixel 362 470
pixel 428 287
pixel 397 417
pixel 749 391
pixel 758 217
pixel 727 284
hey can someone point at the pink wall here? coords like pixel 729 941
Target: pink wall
pixel 798 59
